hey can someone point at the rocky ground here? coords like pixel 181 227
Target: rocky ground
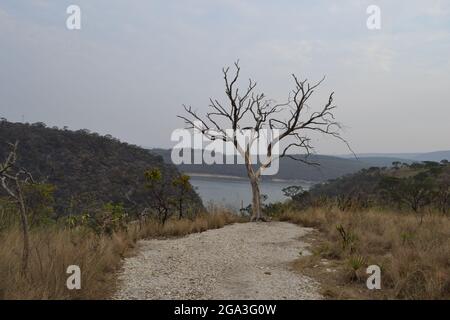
pixel 239 261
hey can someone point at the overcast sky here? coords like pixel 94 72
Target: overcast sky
pixel 134 63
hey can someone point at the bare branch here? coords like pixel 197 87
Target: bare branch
pixel 248 110
pixel 12 178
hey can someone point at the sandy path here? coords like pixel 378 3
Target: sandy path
pixel 240 261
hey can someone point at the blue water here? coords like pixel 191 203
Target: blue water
pixel 232 192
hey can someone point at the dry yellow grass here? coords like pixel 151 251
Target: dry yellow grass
pixel 176 228
pixel 53 249
pixel 414 258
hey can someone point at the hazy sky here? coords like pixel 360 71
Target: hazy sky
pixel 134 63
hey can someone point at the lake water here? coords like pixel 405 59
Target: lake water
pixel 231 192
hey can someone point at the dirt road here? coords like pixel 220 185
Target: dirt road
pixel 240 261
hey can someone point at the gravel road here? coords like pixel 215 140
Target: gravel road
pixel 239 261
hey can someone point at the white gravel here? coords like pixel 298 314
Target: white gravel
pixel 239 261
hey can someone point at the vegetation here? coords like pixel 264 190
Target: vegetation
pixel 34 255
pixel 87 170
pixel 44 228
pixel 396 218
pixel 167 202
pixel 417 187
pixel 414 259
pixel 13 180
pixel 96 242
pixel 182 187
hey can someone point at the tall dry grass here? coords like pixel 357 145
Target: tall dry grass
pixel 54 248
pixel 414 256
pixel 176 228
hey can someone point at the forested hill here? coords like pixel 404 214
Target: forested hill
pixel 416 185
pixel 86 168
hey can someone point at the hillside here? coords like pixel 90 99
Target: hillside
pixel 405 157
pixel 368 180
pixel 329 167
pixel 414 186
pixel 86 168
pixel 434 156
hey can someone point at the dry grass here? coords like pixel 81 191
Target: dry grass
pixel 98 256
pixel 414 258
pixel 177 228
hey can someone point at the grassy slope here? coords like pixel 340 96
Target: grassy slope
pixel 414 258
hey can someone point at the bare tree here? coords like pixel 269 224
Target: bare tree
pixel 247 111
pixel 12 179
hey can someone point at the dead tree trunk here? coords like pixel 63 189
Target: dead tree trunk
pixel 180 209
pixel 12 178
pixel 253 176
pixel 256 201
pixel 24 223
pixel 18 197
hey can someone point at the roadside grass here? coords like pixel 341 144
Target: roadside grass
pixel 414 257
pixel 99 256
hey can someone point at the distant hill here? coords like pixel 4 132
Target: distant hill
pixel 330 167
pixel 382 161
pixel 85 167
pixel 433 156
pixel 436 156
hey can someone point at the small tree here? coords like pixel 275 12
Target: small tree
pixel 396 165
pixel 300 197
pixel 293 192
pixel 415 191
pixel 250 112
pixel 183 188
pixel 13 179
pixel 159 192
